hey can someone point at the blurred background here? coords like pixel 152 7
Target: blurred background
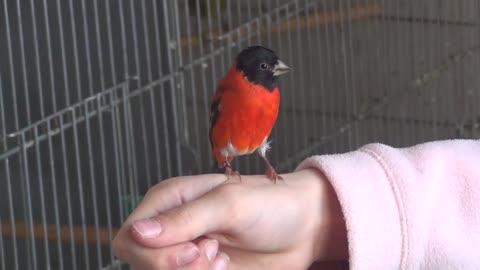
pixel 99 100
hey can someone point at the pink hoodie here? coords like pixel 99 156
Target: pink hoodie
pixel 410 208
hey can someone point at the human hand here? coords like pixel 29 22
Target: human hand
pixel 260 225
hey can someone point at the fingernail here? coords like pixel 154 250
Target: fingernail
pixel 147 228
pixel 187 255
pixel 211 248
pixel 222 262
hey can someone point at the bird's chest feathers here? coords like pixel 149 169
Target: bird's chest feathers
pixel 246 119
pixel 254 105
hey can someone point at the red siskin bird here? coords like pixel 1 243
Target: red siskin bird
pixel 245 108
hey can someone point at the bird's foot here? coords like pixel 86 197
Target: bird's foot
pixel 229 172
pixel 272 175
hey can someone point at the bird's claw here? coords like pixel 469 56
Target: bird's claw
pixel 272 175
pixel 229 172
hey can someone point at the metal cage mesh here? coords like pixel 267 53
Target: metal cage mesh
pixel 101 99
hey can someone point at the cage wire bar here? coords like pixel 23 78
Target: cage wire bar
pixel 99 100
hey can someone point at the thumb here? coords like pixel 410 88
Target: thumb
pixel 186 222
pixel 173 192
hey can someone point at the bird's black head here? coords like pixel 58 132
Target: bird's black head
pixel 261 65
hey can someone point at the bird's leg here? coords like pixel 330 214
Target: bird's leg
pixel 229 172
pixel 271 173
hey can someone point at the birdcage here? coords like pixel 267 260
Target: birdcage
pixel 100 100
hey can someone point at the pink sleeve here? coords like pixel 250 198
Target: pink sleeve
pixel 409 208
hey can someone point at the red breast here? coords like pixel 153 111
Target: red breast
pixel 248 113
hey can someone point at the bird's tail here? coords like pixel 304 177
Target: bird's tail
pixel 218 167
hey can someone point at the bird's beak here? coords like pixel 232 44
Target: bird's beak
pixel 281 68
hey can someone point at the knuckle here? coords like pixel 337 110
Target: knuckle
pixel 161 185
pixel 167 182
pixel 185 217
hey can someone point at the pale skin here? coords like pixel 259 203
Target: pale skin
pixel 257 224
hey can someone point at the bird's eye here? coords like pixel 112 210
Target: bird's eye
pixel 264 66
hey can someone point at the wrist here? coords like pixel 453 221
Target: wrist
pixel 329 234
